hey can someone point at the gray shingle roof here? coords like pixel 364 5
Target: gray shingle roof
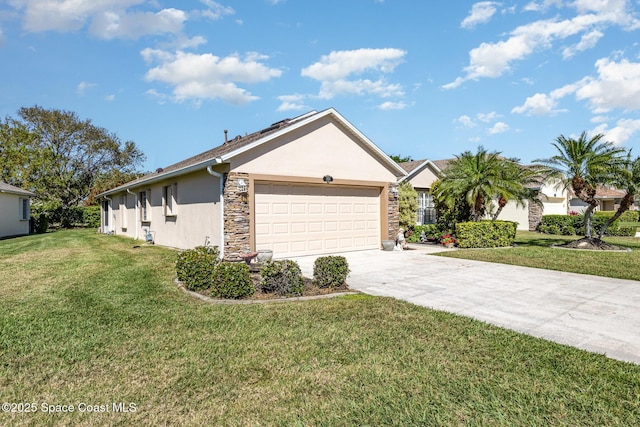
pixel 7 188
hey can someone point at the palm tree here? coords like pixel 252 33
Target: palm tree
pixel 627 178
pixel 582 164
pixel 479 178
pixel 523 185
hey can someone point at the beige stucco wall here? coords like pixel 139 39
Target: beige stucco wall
pixel 321 148
pixel 197 212
pixel 10 223
pixel 424 179
pixel 513 212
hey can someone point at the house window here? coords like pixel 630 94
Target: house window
pixel 170 200
pixel 144 208
pixel 426 208
pixel 24 210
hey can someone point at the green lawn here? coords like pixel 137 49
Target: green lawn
pixel 534 250
pixel 88 319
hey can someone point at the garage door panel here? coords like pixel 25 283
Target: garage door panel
pixel 296 219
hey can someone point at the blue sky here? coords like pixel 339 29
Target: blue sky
pixel 428 79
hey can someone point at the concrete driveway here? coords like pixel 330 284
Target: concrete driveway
pixel 593 313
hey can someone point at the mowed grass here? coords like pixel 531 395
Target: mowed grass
pixel 89 319
pixel 534 250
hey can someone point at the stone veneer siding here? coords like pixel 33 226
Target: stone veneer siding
pixel 236 216
pixel 535 216
pixel 393 212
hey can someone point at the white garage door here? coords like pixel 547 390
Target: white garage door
pixel 295 219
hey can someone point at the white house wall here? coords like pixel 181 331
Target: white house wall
pixel 10 223
pixel 319 149
pixel 197 212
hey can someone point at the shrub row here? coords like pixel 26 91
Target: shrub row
pixel 201 269
pixel 486 234
pixel 431 231
pixel 570 225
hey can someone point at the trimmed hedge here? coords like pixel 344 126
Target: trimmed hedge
pixel 330 271
pixel 283 277
pixel 232 280
pixel 569 225
pixel 486 234
pixel 195 267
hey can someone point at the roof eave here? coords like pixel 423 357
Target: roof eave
pixel 419 169
pixel 162 176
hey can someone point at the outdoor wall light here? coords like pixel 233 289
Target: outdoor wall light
pixel 394 191
pixel 328 179
pixel 242 185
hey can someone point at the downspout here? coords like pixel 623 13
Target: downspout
pixel 221 178
pixel 108 213
pixel 136 226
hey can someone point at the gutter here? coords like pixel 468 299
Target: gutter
pixel 135 195
pixel 221 178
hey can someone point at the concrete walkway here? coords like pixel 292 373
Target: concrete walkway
pixel 593 313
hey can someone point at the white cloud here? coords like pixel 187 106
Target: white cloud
pixel 206 76
pixel 393 105
pixel 617 86
pixel 110 19
pixel 480 13
pixel 491 60
pixel 539 104
pixel 110 25
pixel 83 86
pixel 292 103
pixel 625 129
pixel 340 64
pixel 1 37
pixel 111 97
pixel 499 127
pixel 466 121
pixel 487 117
pixel 336 72
pixel 587 41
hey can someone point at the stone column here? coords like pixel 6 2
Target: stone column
pixel 236 216
pixel 393 212
pixel 535 216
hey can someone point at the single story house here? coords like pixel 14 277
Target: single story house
pixel 608 200
pixel 313 184
pixel 15 210
pixel 422 174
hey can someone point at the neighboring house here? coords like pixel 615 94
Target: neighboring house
pixel 15 210
pixel 608 200
pixel 422 173
pixel 313 184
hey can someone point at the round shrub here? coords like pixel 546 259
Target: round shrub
pixel 283 277
pixel 194 267
pixel 330 271
pixel 232 280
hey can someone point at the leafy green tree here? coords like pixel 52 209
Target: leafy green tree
pixel 61 157
pixel 522 185
pixel 400 159
pixel 583 164
pixel 407 205
pixel 478 178
pixel 449 214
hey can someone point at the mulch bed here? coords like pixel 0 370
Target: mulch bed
pixel 591 244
